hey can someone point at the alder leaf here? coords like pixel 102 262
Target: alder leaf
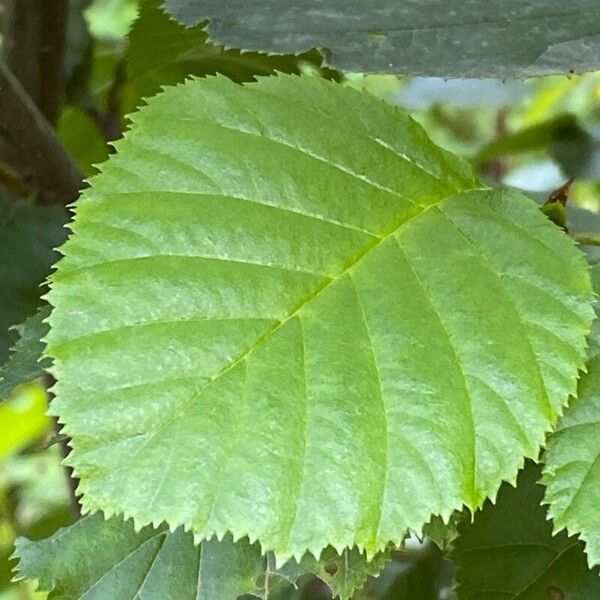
pixel 510 38
pixel 98 558
pixel 281 315
pixel 572 460
pixel 26 362
pixel 509 552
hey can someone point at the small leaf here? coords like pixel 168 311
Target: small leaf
pixel 26 362
pixel 286 314
pixel 101 559
pixel 509 552
pixel 504 39
pixel 572 469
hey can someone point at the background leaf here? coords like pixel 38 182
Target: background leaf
pixel 452 38
pixel 28 236
pixel 509 553
pixel 112 560
pixel 25 362
pixel 572 469
pixel 253 332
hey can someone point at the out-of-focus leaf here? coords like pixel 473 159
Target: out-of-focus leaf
pixel 28 235
pixel 162 52
pixel 252 297
pixel 111 18
pixel 97 558
pixel 576 150
pixel 536 137
pixel 23 419
pixel 572 471
pixel 26 362
pixel 450 38
pixel 509 552
pixel 82 139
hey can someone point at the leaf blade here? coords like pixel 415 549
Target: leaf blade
pixel 328 283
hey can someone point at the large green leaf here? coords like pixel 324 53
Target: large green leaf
pixel 26 362
pixel 102 559
pixel 163 52
pixel 279 315
pixel 493 38
pixel 572 471
pixel 509 552
pixel 28 234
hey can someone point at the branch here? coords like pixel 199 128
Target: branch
pixel 35 40
pixel 43 161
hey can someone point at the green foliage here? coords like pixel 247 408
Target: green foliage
pixel 98 558
pixel 162 52
pixel 253 331
pixel 26 362
pixel 572 471
pixel 23 419
pixel 511 38
pixel 509 552
pixel 28 236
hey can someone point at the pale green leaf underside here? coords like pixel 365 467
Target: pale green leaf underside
pixel 572 471
pixel 96 559
pixel 278 316
pixel 507 38
pixel 509 552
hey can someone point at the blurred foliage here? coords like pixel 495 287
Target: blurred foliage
pixel 532 134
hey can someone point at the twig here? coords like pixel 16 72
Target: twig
pixel 44 164
pixel 587 239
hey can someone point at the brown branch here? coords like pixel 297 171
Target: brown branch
pixel 35 39
pixel 43 163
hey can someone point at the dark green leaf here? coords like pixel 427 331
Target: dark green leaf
pixel 28 235
pixel 492 38
pixel 26 362
pixel 509 553
pixel 99 559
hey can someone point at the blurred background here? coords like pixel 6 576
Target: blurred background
pixel 532 135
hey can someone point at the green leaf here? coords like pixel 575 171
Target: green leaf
pixel 478 39
pixel 95 558
pixel 279 315
pixel 509 552
pixel 28 234
pixel 23 418
pixel 163 52
pixel 572 470
pixel 82 139
pixel 26 363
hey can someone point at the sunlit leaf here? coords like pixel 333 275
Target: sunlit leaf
pixel 285 313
